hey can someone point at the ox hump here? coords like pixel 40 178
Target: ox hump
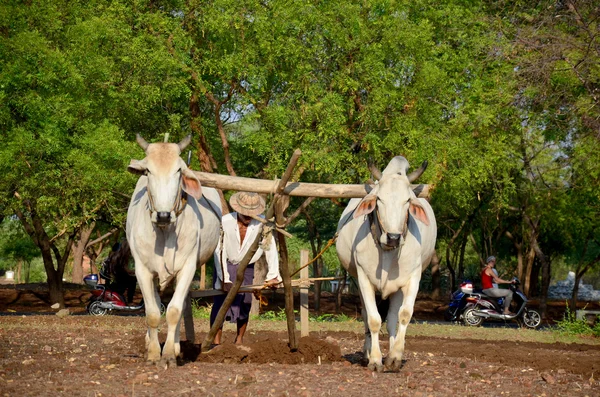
pixel 398 165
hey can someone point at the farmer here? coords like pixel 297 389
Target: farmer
pixel 488 278
pixel 238 232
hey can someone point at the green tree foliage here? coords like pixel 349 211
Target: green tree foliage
pixel 500 97
pixel 17 251
pixel 75 77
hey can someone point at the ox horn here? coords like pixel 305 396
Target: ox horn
pixel 413 176
pixel 141 141
pixel 184 142
pixel 374 170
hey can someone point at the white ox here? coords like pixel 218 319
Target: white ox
pixel 172 224
pixel 385 241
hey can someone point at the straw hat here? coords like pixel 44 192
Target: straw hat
pixel 247 203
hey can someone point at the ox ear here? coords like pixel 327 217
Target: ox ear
pixel 418 212
pixel 191 183
pixel 366 206
pixel 137 167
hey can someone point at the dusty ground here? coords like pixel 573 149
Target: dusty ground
pixel 80 355
pixel 90 356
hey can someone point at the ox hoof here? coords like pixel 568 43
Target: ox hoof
pixel 393 364
pixel 168 362
pixel 375 367
pixel 152 360
pixel 152 363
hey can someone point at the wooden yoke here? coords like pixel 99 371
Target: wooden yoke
pixel 301 189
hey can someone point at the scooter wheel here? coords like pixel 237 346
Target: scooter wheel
pixel 531 319
pixel 470 319
pixel 95 309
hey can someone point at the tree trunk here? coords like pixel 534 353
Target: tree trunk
pixel 435 277
pixel 527 276
pixel 218 105
pixel 205 157
pixel 79 251
pixel 461 260
pixel 546 268
pixel 573 300
pixel 544 262
pixel 18 271
pixel 535 278
pixel 35 229
pixel 579 273
pixel 339 292
pixel 93 255
pixel 448 251
pixel 451 271
pixel 28 271
pixel 55 275
pixel 316 245
pixel 519 249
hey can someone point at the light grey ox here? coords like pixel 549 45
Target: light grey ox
pixel 385 241
pixel 172 224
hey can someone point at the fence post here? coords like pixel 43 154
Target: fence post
pixel 304 286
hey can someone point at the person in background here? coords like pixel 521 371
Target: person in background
pixel 495 285
pixel 239 230
pixel 120 272
pixel 488 277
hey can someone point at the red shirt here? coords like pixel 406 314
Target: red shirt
pixel 486 280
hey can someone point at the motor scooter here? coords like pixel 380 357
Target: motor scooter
pixel 458 301
pixel 105 301
pixel 483 307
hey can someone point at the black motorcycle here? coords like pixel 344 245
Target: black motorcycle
pixel 481 307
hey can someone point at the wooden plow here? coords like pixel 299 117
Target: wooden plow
pixel 277 220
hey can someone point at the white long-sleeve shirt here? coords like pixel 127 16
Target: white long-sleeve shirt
pixel 231 249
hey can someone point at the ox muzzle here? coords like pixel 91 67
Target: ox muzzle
pixel 393 240
pixel 163 218
pixel 389 241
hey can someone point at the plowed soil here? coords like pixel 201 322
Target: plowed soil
pixel 81 355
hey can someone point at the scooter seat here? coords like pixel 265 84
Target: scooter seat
pixel 489 296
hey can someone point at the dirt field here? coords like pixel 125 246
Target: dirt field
pixel 81 355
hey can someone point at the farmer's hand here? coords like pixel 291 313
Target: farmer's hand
pixel 272 283
pixel 227 286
